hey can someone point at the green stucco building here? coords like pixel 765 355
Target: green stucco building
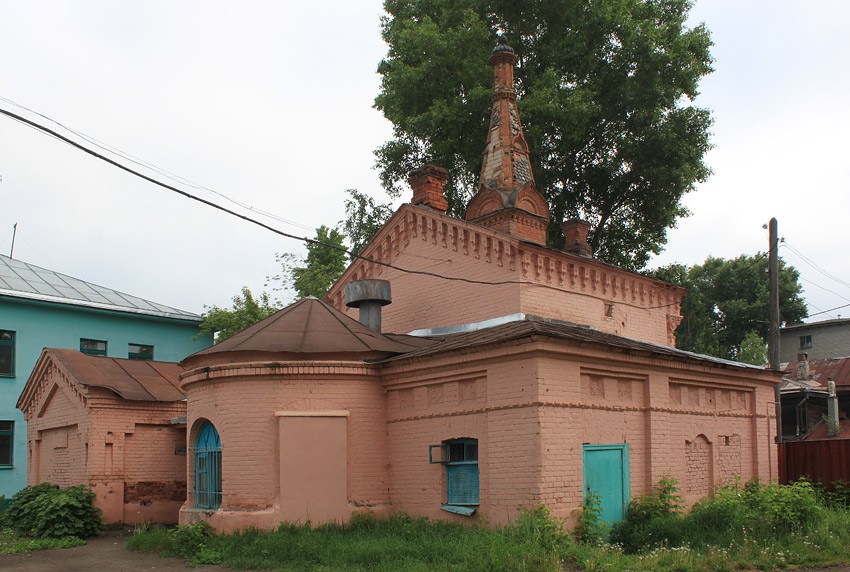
pixel 40 308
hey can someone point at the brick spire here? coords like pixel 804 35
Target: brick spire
pixel 507 199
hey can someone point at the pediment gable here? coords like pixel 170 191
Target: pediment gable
pixel 58 403
pixel 51 389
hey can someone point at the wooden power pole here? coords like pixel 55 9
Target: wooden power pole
pixel 773 316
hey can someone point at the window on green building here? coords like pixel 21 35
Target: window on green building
pixel 93 347
pixel 140 351
pixel 7 434
pixel 7 353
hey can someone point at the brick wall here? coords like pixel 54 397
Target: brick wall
pixel 95 437
pixel 242 400
pixel 541 281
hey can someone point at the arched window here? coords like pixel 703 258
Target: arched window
pixel 207 468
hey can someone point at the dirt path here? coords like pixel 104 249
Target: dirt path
pixel 107 553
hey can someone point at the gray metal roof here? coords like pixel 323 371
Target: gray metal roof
pixel 21 280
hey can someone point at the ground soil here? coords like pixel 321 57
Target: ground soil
pixel 107 552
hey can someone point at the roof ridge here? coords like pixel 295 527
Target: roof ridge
pixel 344 325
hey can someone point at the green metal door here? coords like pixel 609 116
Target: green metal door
pixel 606 473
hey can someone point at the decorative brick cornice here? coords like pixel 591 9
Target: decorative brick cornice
pixel 294 369
pixel 525 262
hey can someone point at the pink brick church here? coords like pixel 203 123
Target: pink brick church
pixel 502 374
pixel 535 376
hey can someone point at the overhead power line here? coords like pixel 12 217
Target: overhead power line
pixel 43 128
pixel 816 267
pixel 142 163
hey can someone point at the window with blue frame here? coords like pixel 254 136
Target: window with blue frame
pixel 460 456
pixel 93 347
pixel 7 353
pixel 207 468
pixel 140 351
pixel 7 437
pixel 462 472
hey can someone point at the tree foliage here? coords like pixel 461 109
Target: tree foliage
pixel 326 260
pixel 246 310
pixel 728 300
pixel 604 92
pixel 363 218
pixel 753 350
pixel 312 276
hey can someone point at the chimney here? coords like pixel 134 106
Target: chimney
pixel 427 182
pixel 369 296
pixel 575 237
pixel 803 371
pixel 832 408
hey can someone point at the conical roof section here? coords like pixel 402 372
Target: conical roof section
pixel 507 197
pixel 310 326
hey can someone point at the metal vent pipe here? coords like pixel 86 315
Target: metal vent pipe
pixel 369 296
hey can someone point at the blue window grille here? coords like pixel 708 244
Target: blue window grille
pixel 461 472
pixel 208 468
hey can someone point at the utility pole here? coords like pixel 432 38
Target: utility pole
pixel 14 232
pixel 773 313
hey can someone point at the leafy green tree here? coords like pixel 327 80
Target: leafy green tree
pixel 247 310
pixel 326 259
pixel 753 350
pixel 605 88
pixel 363 218
pixel 313 276
pixel 729 299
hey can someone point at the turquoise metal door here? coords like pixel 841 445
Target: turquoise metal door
pixel 606 473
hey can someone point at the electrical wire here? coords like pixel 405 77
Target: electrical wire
pixel 828 311
pixel 142 163
pixel 37 126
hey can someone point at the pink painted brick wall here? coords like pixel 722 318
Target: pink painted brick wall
pixel 77 437
pixel 541 281
pixel 241 401
pixel 532 415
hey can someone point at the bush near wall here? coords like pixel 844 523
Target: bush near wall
pixel 47 511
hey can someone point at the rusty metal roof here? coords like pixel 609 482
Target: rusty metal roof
pixel 310 326
pixel 823 369
pixel 536 325
pixel 136 380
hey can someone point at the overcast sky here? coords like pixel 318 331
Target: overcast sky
pixel 270 103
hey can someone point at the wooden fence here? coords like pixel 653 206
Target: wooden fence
pixel 820 461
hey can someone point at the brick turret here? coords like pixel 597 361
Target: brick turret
pixel 507 199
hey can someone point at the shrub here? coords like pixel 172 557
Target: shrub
pixel 21 515
pixel 51 512
pixel 785 508
pixel 591 529
pixel 537 526
pixel 836 494
pixel 653 519
pixel 189 540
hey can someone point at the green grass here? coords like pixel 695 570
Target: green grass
pixel 398 543
pixel 10 543
pixel 535 542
